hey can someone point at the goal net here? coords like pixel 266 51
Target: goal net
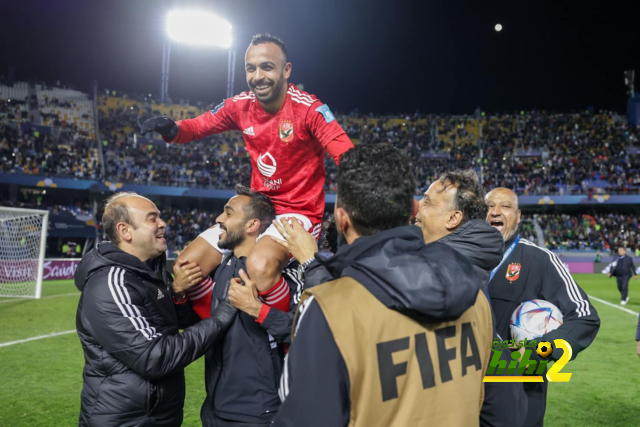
pixel 23 236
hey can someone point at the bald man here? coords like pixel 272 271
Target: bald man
pixel 529 272
pixel 128 320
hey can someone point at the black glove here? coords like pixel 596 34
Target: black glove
pixel 223 312
pixel 165 126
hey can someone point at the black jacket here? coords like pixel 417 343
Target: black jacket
pixel 624 267
pixel 505 404
pixel 480 243
pixel 429 283
pixel 531 272
pixel 242 372
pixel 542 275
pixel 128 327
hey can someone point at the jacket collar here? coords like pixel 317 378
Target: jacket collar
pixel 346 254
pixel 511 240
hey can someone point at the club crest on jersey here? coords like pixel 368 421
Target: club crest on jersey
pixel 286 130
pixel 513 272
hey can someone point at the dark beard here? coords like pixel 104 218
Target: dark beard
pixel 277 87
pixel 234 238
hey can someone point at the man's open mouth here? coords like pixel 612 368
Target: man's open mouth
pixel 261 89
pixel 497 223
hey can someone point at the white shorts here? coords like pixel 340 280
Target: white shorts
pixel 212 235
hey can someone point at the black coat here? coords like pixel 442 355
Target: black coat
pixel 242 373
pixel 624 267
pixel 128 327
pixel 531 272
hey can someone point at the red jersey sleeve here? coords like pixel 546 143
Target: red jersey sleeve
pixel 200 296
pixel 218 120
pixel 322 124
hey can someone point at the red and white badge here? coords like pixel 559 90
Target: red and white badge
pixel 286 130
pixel 513 272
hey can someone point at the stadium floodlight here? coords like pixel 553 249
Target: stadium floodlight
pixel 197 28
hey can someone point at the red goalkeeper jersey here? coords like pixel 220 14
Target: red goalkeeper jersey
pixel 287 148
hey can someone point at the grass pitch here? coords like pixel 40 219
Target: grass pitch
pixel 41 380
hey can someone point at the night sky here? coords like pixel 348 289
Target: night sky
pixel 378 56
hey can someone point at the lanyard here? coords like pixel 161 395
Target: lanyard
pixel 504 257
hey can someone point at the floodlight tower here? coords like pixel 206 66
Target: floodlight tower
pixel 197 28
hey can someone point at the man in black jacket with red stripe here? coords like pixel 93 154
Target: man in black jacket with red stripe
pixel 530 272
pixel 243 371
pixel 128 321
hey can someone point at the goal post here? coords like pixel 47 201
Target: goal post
pixel 23 239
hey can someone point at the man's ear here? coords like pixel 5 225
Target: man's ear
pixel 124 231
pixel 252 226
pixel 519 214
pixel 455 219
pixel 287 70
pixel 343 222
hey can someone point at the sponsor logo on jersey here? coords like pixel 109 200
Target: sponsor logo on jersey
pixel 249 131
pixel 513 272
pixel 267 165
pixel 218 107
pixel 160 294
pixel 326 113
pixel 286 130
pixel 272 184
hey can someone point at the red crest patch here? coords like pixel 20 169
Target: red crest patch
pixel 513 272
pixel 286 130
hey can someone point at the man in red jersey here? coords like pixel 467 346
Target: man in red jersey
pixel 286 132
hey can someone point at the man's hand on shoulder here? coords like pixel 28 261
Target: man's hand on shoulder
pixel 245 297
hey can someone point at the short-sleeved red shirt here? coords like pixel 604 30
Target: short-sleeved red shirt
pixel 287 148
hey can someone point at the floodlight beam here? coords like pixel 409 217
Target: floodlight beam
pixel 198 28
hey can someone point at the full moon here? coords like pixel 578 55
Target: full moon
pixel 498 27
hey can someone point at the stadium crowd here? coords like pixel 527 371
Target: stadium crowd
pixel 60 153
pixel 532 152
pixel 212 162
pixel 567 153
pixel 79 209
pixel 598 232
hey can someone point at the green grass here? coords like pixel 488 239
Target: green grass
pixel 40 381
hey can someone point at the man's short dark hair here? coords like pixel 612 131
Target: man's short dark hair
pixel 469 194
pixel 375 187
pixel 115 211
pixel 330 239
pixel 269 38
pixel 259 207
